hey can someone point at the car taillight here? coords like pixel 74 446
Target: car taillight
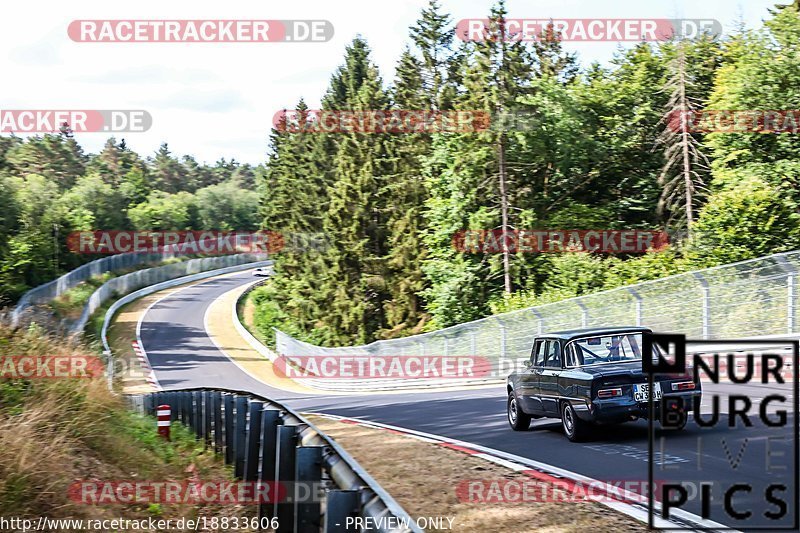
pixel 609 393
pixel 683 385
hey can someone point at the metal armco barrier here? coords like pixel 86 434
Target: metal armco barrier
pixel 269 443
pixel 55 288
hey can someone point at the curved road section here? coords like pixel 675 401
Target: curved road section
pixel 182 354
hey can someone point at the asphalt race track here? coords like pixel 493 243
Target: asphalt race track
pixel 182 355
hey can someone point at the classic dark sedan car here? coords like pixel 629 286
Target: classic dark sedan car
pixel 592 376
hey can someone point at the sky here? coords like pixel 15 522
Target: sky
pixel 214 100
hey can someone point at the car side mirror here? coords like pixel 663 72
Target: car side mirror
pixel 528 363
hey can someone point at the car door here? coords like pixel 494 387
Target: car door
pixel 528 394
pixel 549 393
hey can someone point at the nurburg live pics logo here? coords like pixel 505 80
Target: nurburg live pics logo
pixel 736 497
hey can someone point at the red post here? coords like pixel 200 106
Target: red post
pixel 163 412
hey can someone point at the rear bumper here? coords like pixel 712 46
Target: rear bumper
pixel 616 410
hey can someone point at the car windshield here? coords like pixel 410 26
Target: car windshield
pixel 605 349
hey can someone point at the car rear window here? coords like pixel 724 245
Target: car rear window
pixel 605 349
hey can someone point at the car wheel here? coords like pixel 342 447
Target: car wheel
pixel 574 428
pixel 518 420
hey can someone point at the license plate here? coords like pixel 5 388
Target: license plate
pixel 641 392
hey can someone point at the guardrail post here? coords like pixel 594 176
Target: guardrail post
pixel 184 399
pixel 252 443
pixel 239 436
pixel 285 457
pixel 197 423
pixel 229 457
pixel 638 299
pixel 186 402
pixel 172 400
pixel 706 295
pixel 341 505
pixel 178 407
pixel 309 478
pixel 147 403
pixel 270 420
pixel 216 420
pixel 208 407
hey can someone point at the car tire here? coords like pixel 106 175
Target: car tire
pixel 518 420
pixel 575 429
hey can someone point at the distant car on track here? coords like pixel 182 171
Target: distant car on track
pixel 263 271
pixel 591 376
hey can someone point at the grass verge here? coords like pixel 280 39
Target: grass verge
pixel 57 432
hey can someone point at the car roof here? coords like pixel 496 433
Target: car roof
pixel 585 332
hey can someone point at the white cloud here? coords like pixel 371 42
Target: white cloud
pixel 217 100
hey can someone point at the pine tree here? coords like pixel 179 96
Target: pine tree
pixel 551 59
pixel 406 195
pixel 503 69
pixel 355 222
pixel 471 179
pixel 681 176
pixel 433 37
pixel 168 173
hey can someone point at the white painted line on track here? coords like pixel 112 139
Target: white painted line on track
pixel 168 295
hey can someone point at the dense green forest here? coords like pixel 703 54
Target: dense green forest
pixel 598 153
pixel 49 188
